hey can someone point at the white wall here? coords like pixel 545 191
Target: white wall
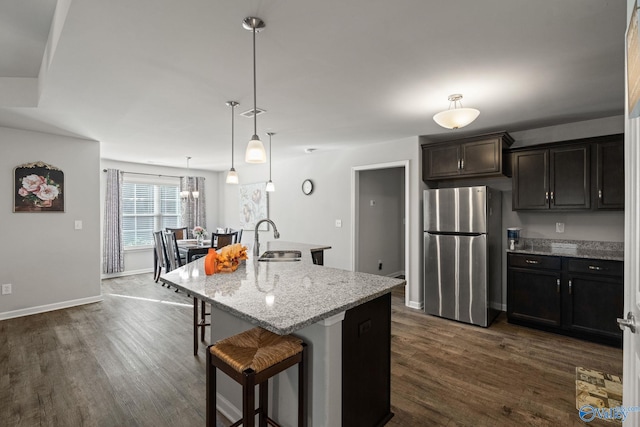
pixel 311 219
pixel 141 260
pixel 49 263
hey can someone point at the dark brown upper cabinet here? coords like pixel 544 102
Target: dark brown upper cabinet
pixel 479 156
pixel 609 166
pixel 571 175
pixel 552 178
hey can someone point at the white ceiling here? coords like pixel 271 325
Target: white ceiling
pixel 150 78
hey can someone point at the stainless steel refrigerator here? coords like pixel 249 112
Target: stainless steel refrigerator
pixel 462 254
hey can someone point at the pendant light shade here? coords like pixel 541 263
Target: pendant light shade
pixel 255 150
pixel 270 186
pixel 456 117
pixel 232 176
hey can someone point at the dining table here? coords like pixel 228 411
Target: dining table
pixel 190 248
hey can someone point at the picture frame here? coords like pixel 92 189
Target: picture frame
pixel 38 187
pixel 254 205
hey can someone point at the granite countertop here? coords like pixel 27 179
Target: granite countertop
pixel 613 251
pixel 281 296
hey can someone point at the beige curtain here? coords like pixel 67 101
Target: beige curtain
pixel 113 250
pixel 194 210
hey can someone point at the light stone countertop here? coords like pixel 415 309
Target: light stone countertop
pixel 613 251
pixel 282 297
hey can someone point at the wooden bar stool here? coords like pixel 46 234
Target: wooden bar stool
pixel 251 358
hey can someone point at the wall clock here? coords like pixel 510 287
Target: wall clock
pixel 307 187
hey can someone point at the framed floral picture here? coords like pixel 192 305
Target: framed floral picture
pixel 253 205
pixel 38 187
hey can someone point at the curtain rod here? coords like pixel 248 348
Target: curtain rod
pixel 148 174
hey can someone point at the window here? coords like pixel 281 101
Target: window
pixel 148 207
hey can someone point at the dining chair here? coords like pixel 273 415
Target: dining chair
pixel 220 240
pixel 238 237
pixel 181 233
pixel 171 244
pixel 160 255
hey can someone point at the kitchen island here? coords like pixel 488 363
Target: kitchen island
pixel 344 316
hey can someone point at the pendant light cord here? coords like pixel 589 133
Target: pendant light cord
pixel 232 144
pixel 255 112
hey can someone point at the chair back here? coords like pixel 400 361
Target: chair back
pixel 173 255
pixel 220 240
pixel 159 247
pixel 181 233
pixel 239 236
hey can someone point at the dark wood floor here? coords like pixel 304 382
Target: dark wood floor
pixel 127 361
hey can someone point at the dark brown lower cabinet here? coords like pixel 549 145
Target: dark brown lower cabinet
pixel 366 364
pixel 574 296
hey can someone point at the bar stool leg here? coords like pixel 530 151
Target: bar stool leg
pixel 202 319
pixel 303 379
pixel 263 390
pixel 195 326
pixel 248 399
pixel 211 392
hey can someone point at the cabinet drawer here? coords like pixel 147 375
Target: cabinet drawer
pixel 535 261
pixel 595 266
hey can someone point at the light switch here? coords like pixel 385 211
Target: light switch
pixel 372 203
pixel 78 224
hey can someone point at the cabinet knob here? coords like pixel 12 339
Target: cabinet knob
pixel 600 194
pixel 558 285
pixel 570 287
pixel 552 197
pixel 531 261
pixel 461 163
pixel 596 268
pixel 546 197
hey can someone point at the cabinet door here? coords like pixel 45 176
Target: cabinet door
pixel 610 174
pixel 530 180
pixel 570 183
pixel 534 296
pixel 593 304
pixel 481 157
pixel 442 161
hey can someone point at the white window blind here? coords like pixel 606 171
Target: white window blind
pixel 148 207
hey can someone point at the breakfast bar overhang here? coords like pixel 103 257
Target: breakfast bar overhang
pixel 344 316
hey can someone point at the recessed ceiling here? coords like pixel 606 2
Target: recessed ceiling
pixel 150 79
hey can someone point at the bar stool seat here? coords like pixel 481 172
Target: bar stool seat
pixel 250 358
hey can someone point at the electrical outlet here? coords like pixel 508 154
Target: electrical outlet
pixel 78 224
pixel 6 289
pixel 559 227
pixel 338 223
pixel 379 264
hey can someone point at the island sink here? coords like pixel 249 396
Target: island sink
pixel 270 256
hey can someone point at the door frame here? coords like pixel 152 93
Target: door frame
pixel 355 199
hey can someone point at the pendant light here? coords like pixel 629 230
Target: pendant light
pixel 458 117
pixel 270 186
pixel 232 176
pixel 255 150
pixel 186 193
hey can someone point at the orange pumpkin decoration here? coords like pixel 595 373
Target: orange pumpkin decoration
pixel 210 262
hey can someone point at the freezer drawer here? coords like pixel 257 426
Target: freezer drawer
pixel 456 277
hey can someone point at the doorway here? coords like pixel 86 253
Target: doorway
pixel 380 203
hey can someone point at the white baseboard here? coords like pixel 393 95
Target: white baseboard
pixel 227 409
pixel 396 274
pixel 415 304
pixel 126 273
pixel 49 307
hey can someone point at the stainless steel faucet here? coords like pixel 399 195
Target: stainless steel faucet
pixel 256 243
